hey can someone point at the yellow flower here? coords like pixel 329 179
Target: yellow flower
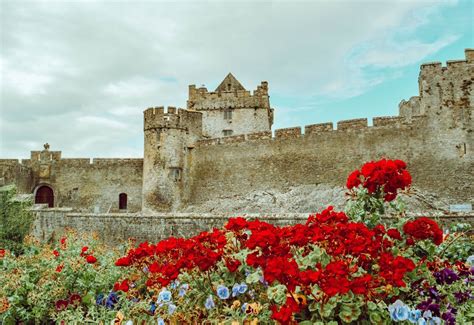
pixel 235 304
pixel 4 305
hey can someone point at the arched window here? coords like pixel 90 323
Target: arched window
pixel 122 201
pixel 45 195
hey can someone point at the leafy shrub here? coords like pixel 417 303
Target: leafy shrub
pixel 15 219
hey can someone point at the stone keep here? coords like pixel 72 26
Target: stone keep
pixel 232 110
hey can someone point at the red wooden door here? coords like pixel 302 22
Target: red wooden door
pixel 45 194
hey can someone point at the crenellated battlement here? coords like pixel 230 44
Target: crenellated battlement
pixel 172 118
pixel 228 95
pixel 344 126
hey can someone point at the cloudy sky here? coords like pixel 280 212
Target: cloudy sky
pixel 78 74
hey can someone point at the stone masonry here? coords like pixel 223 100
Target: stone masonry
pixel 219 152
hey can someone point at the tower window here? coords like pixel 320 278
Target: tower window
pixel 122 201
pixel 175 173
pixel 227 132
pixel 228 114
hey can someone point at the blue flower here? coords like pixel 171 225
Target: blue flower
pixel 244 307
pixel 398 311
pixel 164 296
pixel 421 321
pixel 171 308
pixel 223 292
pixel 100 299
pixel 243 288
pixel 152 307
pixel 414 315
pixel 112 299
pixel 161 321
pixel 183 289
pixel 235 290
pixel 209 303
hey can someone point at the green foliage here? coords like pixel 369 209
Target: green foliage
pixel 36 280
pixel 457 245
pixel 15 219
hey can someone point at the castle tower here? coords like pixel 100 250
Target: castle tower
pixel 446 94
pixel 168 141
pixel 231 109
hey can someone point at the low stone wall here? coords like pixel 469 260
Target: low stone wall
pixel 114 228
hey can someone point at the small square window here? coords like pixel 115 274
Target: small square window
pixel 227 132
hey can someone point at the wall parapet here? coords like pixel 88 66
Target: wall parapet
pixel 392 121
pixel 171 118
pixel 318 128
pixel 354 124
pixel 287 133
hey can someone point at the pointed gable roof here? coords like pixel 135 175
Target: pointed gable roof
pixel 229 84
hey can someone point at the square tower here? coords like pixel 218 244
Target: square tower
pixel 231 109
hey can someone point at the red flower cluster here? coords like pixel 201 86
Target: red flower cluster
pixel 284 313
pixel 383 176
pixel 74 300
pixel 165 260
pixel 122 286
pixel 88 255
pixel 424 228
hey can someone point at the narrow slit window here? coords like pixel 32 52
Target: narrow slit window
pixel 228 115
pixel 122 201
pixel 175 173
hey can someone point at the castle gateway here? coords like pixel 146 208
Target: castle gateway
pixel 221 148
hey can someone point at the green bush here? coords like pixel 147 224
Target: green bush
pixel 15 219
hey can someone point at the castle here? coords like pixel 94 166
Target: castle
pixel 221 146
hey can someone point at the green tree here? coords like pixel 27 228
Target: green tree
pixel 15 219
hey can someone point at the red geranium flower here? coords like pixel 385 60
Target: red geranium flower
pixel 424 228
pixel 123 261
pixel 381 177
pixel 232 265
pixel 284 314
pixel 59 268
pixel 56 253
pixel 123 286
pixel 91 259
pixel 394 233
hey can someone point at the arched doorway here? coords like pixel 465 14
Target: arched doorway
pixel 45 195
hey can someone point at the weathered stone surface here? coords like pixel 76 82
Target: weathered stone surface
pixel 191 163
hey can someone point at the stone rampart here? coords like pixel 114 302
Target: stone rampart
pixel 118 227
pixel 323 155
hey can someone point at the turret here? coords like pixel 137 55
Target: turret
pixel 169 137
pixel 445 92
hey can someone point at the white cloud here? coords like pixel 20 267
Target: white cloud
pixel 79 75
pixel 390 54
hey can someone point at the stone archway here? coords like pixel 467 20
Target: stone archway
pixel 44 195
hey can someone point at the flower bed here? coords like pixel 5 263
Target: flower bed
pixel 337 267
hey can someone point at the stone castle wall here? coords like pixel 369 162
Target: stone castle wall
pixel 114 228
pixel 433 134
pixel 85 184
pixel 181 168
